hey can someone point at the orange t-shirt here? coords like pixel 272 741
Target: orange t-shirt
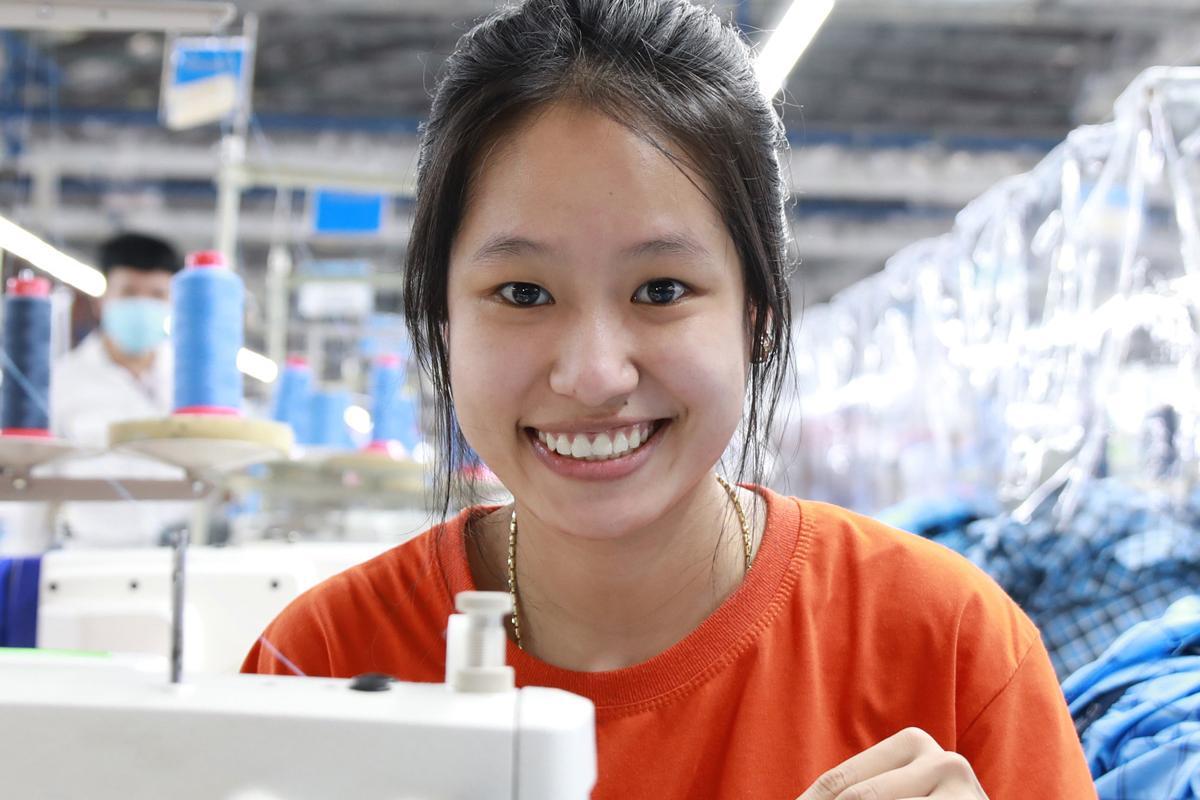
pixel 843 633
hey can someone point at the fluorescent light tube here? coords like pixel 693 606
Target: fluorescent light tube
pixel 257 366
pixel 789 41
pixel 51 260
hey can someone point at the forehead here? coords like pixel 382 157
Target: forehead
pixel 129 277
pixel 568 173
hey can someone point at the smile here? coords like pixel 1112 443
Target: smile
pixel 600 446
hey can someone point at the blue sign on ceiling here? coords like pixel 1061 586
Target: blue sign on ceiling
pixel 347 212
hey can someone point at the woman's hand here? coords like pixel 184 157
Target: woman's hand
pixel 908 765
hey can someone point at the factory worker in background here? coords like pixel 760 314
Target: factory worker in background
pixel 123 370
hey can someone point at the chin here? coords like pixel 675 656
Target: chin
pixel 603 519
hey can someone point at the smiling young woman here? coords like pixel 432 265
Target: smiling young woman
pixel 597 288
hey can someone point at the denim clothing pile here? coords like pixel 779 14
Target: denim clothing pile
pixel 1124 558
pixel 1137 709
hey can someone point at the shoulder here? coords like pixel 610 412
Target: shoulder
pixel 80 390
pixel 86 358
pixel 891 556
pixel 386 614
pixel 77 355
pixel 404 575
pixel 909 584
pixel 915 617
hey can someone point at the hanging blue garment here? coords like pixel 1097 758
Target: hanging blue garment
pixel 1137 709
pixel 1122 560
pixel 933 517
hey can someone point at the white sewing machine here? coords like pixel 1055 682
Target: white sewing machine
pixel 119 600
pixel 99 727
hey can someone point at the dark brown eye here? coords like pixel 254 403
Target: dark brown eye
pixel 525 294
pixel 660 292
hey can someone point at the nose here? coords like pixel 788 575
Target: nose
pixel 594 364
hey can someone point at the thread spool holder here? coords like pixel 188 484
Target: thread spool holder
pixel 201 445
pixel 377 461
pixel 18 485
pixel 23 453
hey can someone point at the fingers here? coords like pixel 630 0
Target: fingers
pixel 932 775
pixel 891 754
pixel 903 782
pixel 910 764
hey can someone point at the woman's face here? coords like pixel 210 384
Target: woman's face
pixel 597 324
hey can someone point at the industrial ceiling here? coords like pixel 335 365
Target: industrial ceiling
pixel 900 112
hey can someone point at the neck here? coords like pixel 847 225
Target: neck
pixel 139 365
pixel 593 605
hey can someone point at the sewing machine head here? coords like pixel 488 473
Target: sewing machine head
pixel 86 725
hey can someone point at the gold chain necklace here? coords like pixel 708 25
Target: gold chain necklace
pixel 512 552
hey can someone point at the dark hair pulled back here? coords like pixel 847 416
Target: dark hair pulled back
pixel 671 71
pixel 140 252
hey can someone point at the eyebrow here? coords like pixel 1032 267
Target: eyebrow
pixel 503 245
pixel 676 244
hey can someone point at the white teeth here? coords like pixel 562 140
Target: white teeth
pixel 581 448
pixel 602 447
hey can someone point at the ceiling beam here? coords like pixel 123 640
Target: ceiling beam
pixel 927 175
pixel 1069 15
pixel 195 16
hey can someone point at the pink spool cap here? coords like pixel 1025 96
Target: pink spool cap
pixel 28 287
pixel 33 433
pixel 206 259
pixel 391 449
pixel 388 360
pixel 206 411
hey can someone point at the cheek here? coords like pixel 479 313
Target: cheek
pixel 491 371
pixel 705 368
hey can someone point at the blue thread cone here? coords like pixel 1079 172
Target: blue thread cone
pixel 293 399
pixel 394 413
pixel 329 418
pixel 25 389
pixel 208 301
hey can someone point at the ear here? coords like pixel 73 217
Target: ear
pixel 762 347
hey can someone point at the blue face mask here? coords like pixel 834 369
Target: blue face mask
pixel 136 325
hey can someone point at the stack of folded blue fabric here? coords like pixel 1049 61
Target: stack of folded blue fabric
pixel 1137 709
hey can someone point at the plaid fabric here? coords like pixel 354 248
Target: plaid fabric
pixel 1138 709
pixel 1123 560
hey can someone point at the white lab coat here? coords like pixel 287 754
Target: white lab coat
pixel 88 392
